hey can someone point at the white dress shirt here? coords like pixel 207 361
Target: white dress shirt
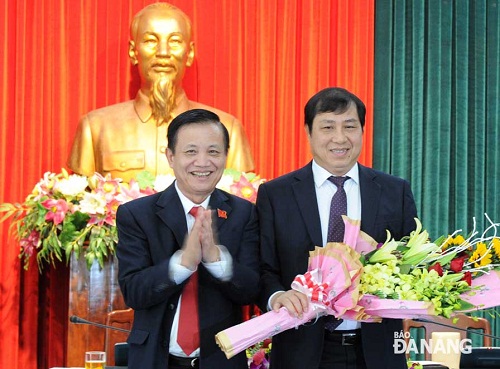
pixel 324 193
pixel 178 273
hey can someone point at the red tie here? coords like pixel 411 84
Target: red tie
pixel 188 336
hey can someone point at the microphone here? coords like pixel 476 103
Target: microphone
pixel 77 320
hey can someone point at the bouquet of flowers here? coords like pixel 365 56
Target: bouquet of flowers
pixel 69 213
pixel 361 280
pixel 414 276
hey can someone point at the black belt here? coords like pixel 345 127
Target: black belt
pixel 344 338
pixel 184 362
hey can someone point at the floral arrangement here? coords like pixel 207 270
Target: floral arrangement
pixel 258 354
pixel 359 279
pixel 440 272
pixel 69 213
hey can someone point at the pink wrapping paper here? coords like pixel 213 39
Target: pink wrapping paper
pixel 487 292
pixel 395 309
pixel 331 284
pixel 239 337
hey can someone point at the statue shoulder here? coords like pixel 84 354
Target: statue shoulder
pixel 113 112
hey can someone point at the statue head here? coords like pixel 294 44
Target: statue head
pixel 161 46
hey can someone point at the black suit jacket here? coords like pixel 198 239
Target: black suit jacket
pixel 150 230
pixel 290 228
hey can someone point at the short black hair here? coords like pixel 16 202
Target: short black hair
pixel 195 116
pixel 332 100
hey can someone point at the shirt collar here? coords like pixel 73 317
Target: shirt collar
pixel 188 204
pixel 321 175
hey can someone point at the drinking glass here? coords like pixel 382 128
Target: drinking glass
pixel 95 360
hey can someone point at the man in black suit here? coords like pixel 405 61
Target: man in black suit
pixel 165 248
pixel 294 212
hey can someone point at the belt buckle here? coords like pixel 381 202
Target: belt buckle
pixel 346 335
pixel 194 362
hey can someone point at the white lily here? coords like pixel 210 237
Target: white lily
pixel 418 247
pixel 386 251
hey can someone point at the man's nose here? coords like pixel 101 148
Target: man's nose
pixel 338 135
pixel 163 48
pixel 202 159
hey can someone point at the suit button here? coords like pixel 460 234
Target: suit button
pixel 164 344
pixel 171 307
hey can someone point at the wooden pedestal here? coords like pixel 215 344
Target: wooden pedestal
pixel 92 295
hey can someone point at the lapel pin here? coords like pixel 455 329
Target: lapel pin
pixel 222 213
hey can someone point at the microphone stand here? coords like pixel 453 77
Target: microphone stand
pixel 77 320
pixel 456 328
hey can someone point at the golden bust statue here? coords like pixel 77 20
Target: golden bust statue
pixel 127 138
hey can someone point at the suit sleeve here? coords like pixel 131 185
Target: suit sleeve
pixel 243 286
pixel 409 210
pixel 144 283
pixel 270 263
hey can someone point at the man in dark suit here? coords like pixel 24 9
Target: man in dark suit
pixel 294 215
pixel 165 248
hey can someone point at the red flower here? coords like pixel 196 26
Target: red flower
pixel 259 357
pixel 457 264
pixel 266 343
pixel 437 267
pixel 468 278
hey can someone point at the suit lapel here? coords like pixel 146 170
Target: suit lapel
pixel 218 202
pixel 370 198
pixel 171 212
pixel 305 194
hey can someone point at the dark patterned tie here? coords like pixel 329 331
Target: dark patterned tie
pixel 338 207
pixel 336 228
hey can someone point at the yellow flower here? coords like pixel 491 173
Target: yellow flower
pixel 481 254
pixel 496 246
pixel 453 242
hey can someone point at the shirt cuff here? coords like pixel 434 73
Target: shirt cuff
pixel 269 307
pixel 223 268
pixel 177 272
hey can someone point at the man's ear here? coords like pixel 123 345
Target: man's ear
pixel 306 128
pixel 170 157
pixel 131 52
pixel 190 58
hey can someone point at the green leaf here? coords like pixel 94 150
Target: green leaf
pixel 80 220
pixel 465 305
pixel 145 179
pixel 405 268
pixel 447 258
pixel 440 240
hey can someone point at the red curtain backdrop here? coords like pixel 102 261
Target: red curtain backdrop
pixel 259 60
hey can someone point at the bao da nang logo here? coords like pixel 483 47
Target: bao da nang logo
pixel 405 344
